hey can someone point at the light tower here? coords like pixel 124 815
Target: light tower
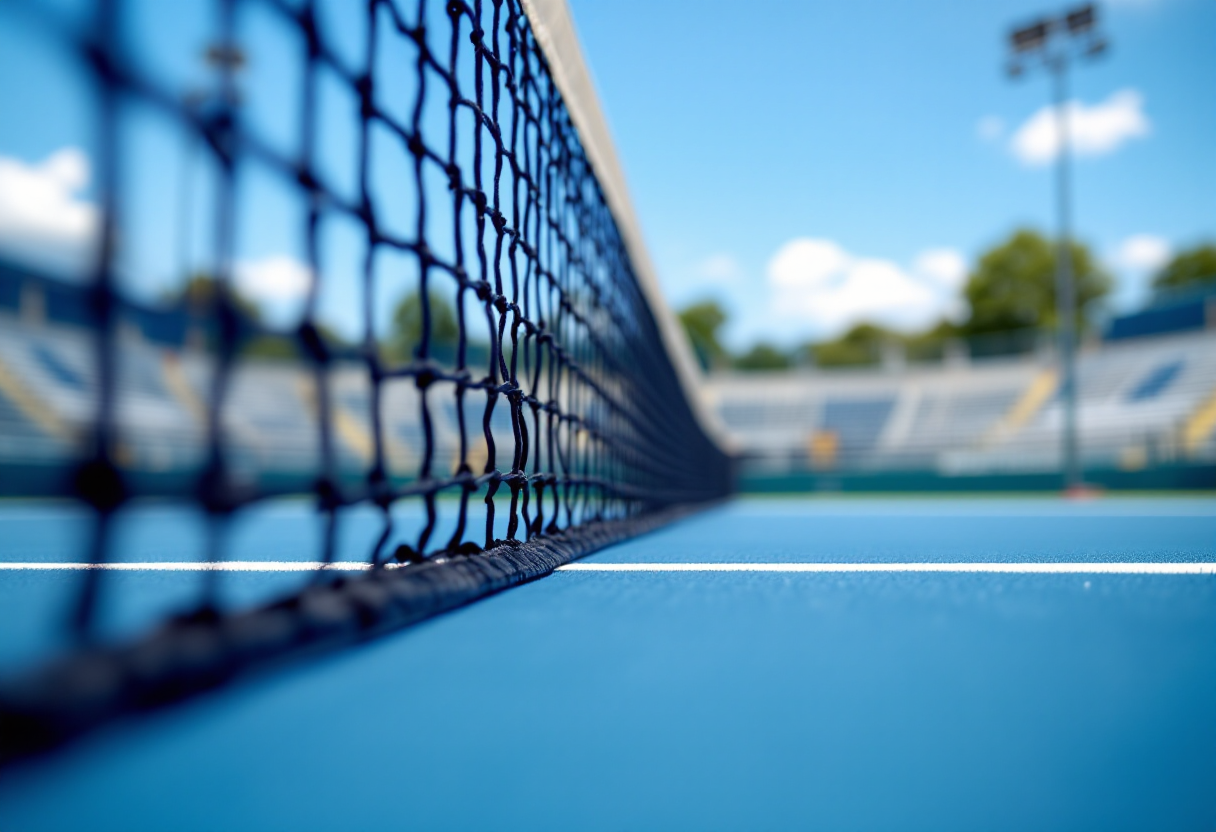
pixel 1053 42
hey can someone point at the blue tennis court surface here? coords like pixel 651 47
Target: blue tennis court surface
pixel 690 700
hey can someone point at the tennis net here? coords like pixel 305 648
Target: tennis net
pixel 474 328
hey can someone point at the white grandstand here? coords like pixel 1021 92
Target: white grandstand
pixel 269 414
pixel 1142 402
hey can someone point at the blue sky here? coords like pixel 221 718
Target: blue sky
pixel 809 164
pixel 47 158
pixel 872 126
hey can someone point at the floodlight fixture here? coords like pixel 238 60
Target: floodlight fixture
pixel 1081 20
pixel 1046 37
pixel 1030 38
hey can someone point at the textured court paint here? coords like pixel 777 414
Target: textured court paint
pixel 97 685
pixel 718 701
pixel 992 568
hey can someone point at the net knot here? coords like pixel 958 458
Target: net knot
pixel 328 496
pixel 406 553
pixel 99 483
pixel 307 180
pixel 96 54
pixel 425 375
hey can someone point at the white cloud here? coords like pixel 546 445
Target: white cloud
pixel 1143 252
pixel 990 128
pixel 827 289
pixel 945 266
pixel 42 216
pixel 1137 257
pixel 1093 130
pixel 804 263
pixel 276 279
pixel 719 268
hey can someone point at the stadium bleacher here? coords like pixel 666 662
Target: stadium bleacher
pixel 269 416
pixel 1143 402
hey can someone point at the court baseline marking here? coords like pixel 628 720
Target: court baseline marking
pixel 1034 568
pixel 1028 568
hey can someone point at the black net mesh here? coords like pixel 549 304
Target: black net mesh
pixel 515 386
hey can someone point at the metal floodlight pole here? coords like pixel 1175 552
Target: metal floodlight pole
pixel 1066 290
pixel 1027 41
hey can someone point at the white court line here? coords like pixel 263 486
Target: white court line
pixel 1094 568
pixel 1017 568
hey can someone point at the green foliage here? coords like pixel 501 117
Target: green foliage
pixel 280 347
pixel 1188 269
pixel 702 323
pixel 275 346
pixel 199 294
pixel 1013 286
pixel 930 345
pixel 1010 296
pixel 1010 292
pixel 406 334
pixel 860 346
pixel 763 356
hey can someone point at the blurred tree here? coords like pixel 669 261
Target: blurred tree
pixel 763 356
pixel 406 331
pixel 930 344
pixel 271 346
pixel 702 322
pixel 281 345
pixel 198 295
pixel 860 345
pixel 1190 268
pixel 1013 285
